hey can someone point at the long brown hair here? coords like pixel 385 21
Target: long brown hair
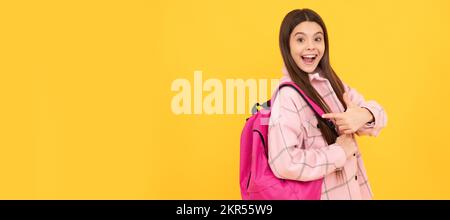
pixel 290 21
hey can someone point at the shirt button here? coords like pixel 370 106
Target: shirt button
pixel 318 126
pixel 356 177
pixel 354 154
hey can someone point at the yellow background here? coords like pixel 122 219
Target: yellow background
pixel 85 93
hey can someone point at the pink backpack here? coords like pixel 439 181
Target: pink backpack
pixel 257 180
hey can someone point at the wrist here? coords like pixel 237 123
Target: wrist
pixel 368 116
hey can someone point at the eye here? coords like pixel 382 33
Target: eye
pixel 318 39
pixel 300 40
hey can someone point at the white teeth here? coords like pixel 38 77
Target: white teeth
pixel 310 56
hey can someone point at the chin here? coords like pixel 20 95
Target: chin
pixel 308 70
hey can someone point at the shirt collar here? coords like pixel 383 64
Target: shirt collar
pixel 312 76
pixel 316 76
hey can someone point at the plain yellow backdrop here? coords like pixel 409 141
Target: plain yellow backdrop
pixel 85 93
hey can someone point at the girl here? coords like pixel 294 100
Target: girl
pixel 303 148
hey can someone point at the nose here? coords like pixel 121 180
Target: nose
pixel 310 46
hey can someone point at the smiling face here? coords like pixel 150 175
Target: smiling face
pixel 307 45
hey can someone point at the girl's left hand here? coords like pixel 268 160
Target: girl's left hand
pixel 352 119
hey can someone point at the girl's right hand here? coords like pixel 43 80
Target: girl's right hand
pixel 347 143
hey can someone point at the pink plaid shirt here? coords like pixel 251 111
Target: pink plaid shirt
pixel 298 151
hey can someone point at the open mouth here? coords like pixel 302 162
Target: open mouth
pixel 309 59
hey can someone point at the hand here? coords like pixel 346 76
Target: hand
pixel 352 119
pixel 347 143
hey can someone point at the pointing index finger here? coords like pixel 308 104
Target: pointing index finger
pixel 331 115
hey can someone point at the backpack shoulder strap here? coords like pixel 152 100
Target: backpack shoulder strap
pixel 316 108
pixel 308 100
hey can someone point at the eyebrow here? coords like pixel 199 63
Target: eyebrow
pixel 320 32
